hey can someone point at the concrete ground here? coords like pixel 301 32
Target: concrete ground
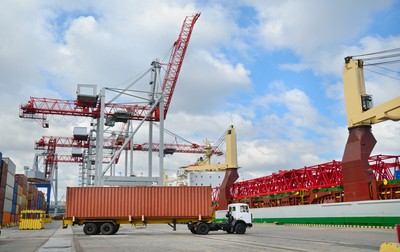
pixel 262 237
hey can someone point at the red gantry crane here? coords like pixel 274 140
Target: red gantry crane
pixel 37 108
pixel 94 106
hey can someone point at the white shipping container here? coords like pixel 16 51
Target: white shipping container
pixel 11 166
pixel 10 179
pixel 7 205
pixel 9 192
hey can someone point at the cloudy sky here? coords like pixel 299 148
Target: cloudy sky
pixel 273 69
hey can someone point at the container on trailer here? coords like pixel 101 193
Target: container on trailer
pixel 150 202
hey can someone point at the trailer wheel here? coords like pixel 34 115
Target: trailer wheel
pixel 91 228
pixel 240 228
pixel 107 228
pixel 192 229
pixel 203 228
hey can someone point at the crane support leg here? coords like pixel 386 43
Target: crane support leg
pixel 358 179
pixel 231 175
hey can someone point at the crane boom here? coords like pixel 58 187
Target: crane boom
pixel 177 57
pixel 112 144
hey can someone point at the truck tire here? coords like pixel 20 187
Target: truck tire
pixel 229 231
pixel 240 228
pixel 203 228
pixel 91 228
pixel 107 228
pixel 116 228
pixel 193 230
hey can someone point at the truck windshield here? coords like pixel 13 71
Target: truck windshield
pixel 244 209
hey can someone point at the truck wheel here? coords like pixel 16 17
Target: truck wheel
pixel 107 228
pixel 91 228
pixel 116 228
pixel 240 228
pixel 229 231
pixel 192 229
pixel 203 228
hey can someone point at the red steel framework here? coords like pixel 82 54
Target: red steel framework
pixel 325 175
pixel 37 108
pixel 113 144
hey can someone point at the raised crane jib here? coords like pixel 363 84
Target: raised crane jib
pixel 175 63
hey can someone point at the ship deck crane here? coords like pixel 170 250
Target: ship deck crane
pixel 230 167
pixel 358 179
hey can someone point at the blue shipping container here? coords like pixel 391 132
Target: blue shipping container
pixel 397 174
pixel 14 209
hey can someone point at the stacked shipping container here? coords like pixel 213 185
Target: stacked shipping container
pixel 20 194
pixel 9 172
pixel 16 194
pixel 2 188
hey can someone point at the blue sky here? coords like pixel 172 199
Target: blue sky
pixel 271 68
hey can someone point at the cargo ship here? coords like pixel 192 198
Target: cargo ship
pixel 315 195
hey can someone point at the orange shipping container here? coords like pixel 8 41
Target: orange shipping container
pixel 150 202
pixel 6 217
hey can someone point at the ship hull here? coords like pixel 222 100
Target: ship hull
pixel 379 213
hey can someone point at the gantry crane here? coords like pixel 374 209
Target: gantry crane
pixel 154 108
pixel 73 142
pixel 38 108
pixel 358 179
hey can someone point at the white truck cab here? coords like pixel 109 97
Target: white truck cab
pixel 240 211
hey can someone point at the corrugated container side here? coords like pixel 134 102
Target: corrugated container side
pixel 11 166
pixel 1 205
pixel 4 169
pixel 10 179
pixel 7 205
pixel 152 202
pixel 6 217
pixel 9 192
pixel 2 193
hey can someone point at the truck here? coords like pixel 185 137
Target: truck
pixel 101 210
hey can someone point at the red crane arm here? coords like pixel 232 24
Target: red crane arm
pixel 175 63
pixel 49 106
pixel 71 142
pixel 71 159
